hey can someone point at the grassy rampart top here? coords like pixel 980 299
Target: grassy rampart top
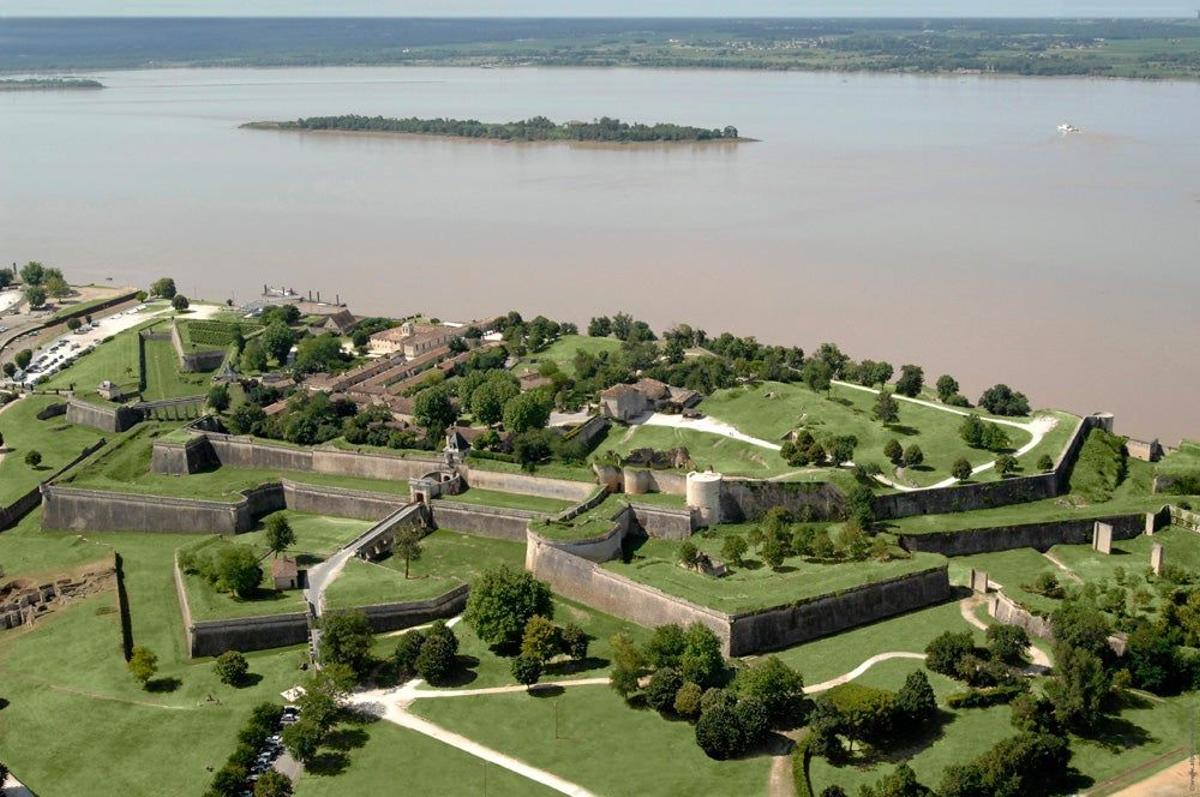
pixel 596 522
pixel 755 586
pixel 55 439
pixel 207 603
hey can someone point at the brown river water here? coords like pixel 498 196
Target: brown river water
pixel 935 220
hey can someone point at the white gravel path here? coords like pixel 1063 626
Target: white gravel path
pixel 825 686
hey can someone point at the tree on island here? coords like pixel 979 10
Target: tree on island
pixel 163 287
pixel 886 409
pixel 279 536
pixel 408 545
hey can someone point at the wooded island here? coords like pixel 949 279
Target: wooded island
pixel 539 128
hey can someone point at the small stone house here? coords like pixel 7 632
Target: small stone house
pixel 110 391
pixel 626 402
pixel 286 574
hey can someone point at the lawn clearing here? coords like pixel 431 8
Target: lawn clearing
pixel 366 584
pixel 562 352
pixel 164 380
pixel 317 536
pixel 755 586
pixel 55 439
pixel 643 754
pixel 722 454
pixel 115 360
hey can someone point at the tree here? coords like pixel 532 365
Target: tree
pixel 218 397
pixel 687 700
pixel 228 781
pixel 236 570
pixel 433 410
pixel 273 783
pixel 180 302
pixel 1005 464
pixel 902 782
pixel 886 409
pixel 303 738
pixel 1045 463
pixel 35 295
pixel 860 505
pixel 853 541
pixel 893 451
pixel 911 381
pixel 408 545
pixel 961 469
pixel 666 646
pixel 501 602
pixel 733 549
pixel 994 438
pixel 143 664
pixel 719 733
pixel 10 369
pixel 437 657
pixel 600 327
pixel 279 536
pixel 664 684
pixel 773 551
pixel 254 357
pixel 346 639
pixel 526 670
pixel 913 456
pixel 1003 400
pixel 943 654
pixel 74 324
pixel 542 639
pixel 825 727
pixel 164 287
pixel 277 340
pixel 24 356
pixel 817 375
pixel 33 273
pixel 833 791
pixel 33 458
pixel 915 701
pixel 972 431
pixel 574 642
pixel 231 667
pixel 1079 688
pixel 702 661
pixel 408 649
pixel 488 400
pixel 56 286
pixel 1008 643
pixel 778 686
pixel 526 411
pixel 947 386
pixel 628 663
pixel 840 449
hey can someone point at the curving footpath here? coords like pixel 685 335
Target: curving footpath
pixel 825 686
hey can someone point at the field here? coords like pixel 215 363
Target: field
pixel 550 732
pixel 772 409
pixel 593 523
pixel 163 377
pixel 562 352
pixel 504 500
pixel 317 536
pixel 116 361
pixel 722 454
pixel 56 440
pixel 447 560
pixel 755 586
pixel 207 603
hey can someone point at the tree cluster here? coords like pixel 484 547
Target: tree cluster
pixel 228 567
pixel 231 779
pixel 430 654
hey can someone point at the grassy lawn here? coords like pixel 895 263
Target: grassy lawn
pixel 505 500
pixel 116 361
pixel 56 440
pixel 317 536
pixel 592 523
pixel 562 352
pixel 207 603
pixel 643 754
pixel 68 307
pixel 722 454
pixel 73 708
pixel 390 755
pixel 163 377
pixel 755 586
pixel 447 560
pixel 366 583
pixel 832 656
pixel 847 411
pixel 1183 463
pixel 1011 569
pixel 549 470
pixel 26 552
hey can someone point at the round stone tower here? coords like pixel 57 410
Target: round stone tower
pixel 704 496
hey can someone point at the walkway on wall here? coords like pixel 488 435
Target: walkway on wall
pixel 320 576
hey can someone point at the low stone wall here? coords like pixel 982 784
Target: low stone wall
pixel 971 497
pixel 386 617
pixel 829 614
pixel 589 430
pixel 10 515
pixel 594 500
pixel 340 502
pixel 747 499
pixel 204 360
pixel 1005 610
pixel 483 521
pixel 579 579
pixel 77 509
pixel 1041 536
pixel 116 418
pixel 664 523
pixel 563 489
pixel 1179 516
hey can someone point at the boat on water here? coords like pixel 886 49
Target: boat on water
pixel 1066 128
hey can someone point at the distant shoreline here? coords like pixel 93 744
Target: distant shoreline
pixel 48 84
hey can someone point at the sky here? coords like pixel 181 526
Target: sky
pixel 583 8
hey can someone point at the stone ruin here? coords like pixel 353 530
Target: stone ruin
pixel 706 565
pixel 23 601
pixel 677 458
pixel 1102 534
pixel 979 581
pixel 1156 559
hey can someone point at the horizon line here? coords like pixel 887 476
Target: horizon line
pixel 608 17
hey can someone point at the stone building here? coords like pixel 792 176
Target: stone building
pixel 413 339
pixel 286 574
pixel 626 402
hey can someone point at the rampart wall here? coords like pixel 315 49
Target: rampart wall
pixel 663 523
pixel 116 418
pixel 483 521
pixel 1041 536
pixel 386 617
pixel 11 514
